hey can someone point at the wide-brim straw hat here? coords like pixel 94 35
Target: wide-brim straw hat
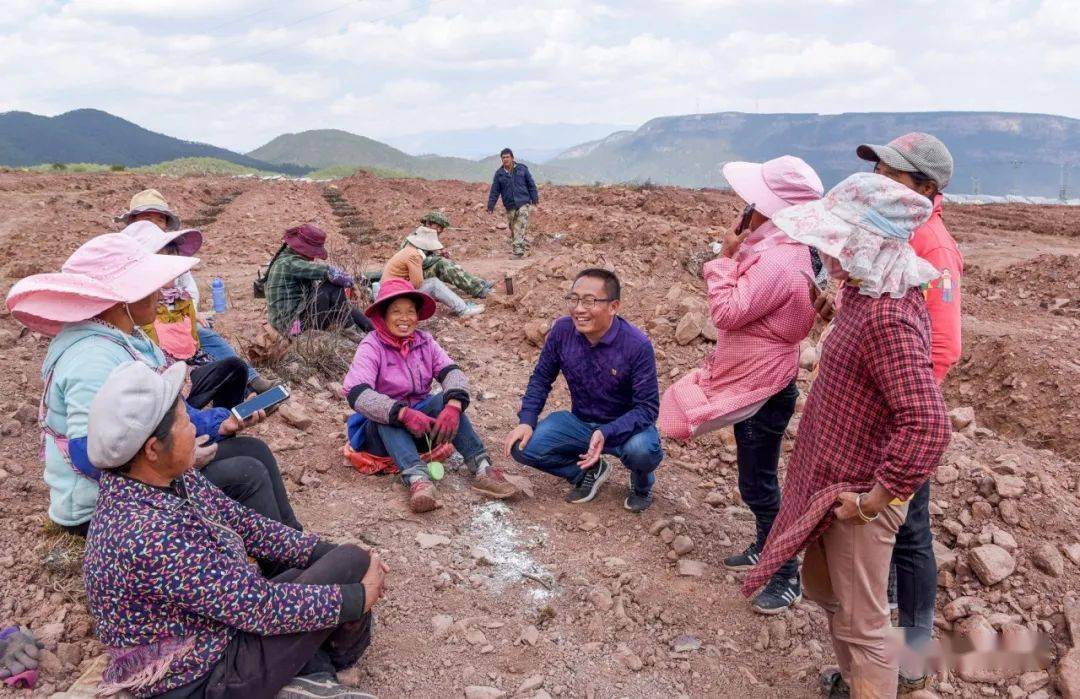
pixel 396 288
pixel 426 239
pixel 104 271
pixel 150 201
pixel 865 223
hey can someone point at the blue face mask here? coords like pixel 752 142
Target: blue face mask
pixel 883 225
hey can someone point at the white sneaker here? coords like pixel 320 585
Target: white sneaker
pixel 472 309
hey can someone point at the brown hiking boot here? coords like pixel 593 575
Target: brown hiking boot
pixel 494 484
pixel 422 496
pixel 261 384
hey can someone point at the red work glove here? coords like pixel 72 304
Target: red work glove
pixel 415 422
pixel 446 425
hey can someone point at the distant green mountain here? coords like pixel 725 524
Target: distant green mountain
pixel 995 152
pixel 325 148
pixel 94 136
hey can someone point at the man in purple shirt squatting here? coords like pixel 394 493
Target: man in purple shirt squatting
pixel 610 370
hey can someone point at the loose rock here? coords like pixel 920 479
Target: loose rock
pixel 991 563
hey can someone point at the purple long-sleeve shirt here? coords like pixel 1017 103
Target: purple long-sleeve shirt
pixel 612 383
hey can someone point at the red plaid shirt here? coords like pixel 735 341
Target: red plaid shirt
pixel 874 414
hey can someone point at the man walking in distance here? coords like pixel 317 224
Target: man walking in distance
pixel 514 183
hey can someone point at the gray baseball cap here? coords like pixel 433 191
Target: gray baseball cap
pixel 913 152
pixel 127 410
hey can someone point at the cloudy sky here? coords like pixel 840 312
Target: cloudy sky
pixel 236 73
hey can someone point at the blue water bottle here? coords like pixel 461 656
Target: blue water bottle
pixel 217 288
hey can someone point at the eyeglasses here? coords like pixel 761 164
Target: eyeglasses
pixel 587 302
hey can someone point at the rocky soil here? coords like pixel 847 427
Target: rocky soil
pixel 537 598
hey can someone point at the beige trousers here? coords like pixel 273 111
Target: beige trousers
pixel 846 571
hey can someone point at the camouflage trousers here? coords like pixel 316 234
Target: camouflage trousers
pixel 449 272
pixel 519 221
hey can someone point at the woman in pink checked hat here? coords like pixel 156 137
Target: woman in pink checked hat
pixel 93 309
pixel 760 304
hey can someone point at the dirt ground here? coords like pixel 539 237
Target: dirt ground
pixel 536 597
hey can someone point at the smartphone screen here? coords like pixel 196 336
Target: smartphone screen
pixel 263 401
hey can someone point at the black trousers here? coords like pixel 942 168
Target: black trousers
pixel 223 383
pixel 245 469
pixel 259 666
pixel 757 444
pixel 332 309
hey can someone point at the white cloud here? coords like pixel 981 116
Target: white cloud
pixel 239 72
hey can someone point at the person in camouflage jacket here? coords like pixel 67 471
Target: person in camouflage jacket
pixel 442 267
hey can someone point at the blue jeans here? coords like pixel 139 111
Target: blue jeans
pixel 560 439
pixel 404 449
pixel 916 571
pixel 757 441
pixel 216 346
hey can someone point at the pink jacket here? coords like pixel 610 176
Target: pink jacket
pixel 933 243
pixel 760 305
pixel 380 381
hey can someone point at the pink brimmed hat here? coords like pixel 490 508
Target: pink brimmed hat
pixel 396 288
pixel 105 271
pixel 187 241
pixel 308 240
pixel 775 184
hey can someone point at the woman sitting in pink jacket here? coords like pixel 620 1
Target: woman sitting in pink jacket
pixel 389 386
pixel 759 301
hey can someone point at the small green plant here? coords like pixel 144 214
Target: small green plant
pixel 58 166
pixel 116 167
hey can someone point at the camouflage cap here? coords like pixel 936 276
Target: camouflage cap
pixel 435 218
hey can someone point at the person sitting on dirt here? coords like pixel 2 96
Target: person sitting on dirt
pixel 874 428
pixel 93 309
pixel 149 205
pixel 514 184
pixel 610 369
pixel 180 610
pixel 408 263
pixel 389 386
pixel 175 329
pixel 760 305
pixel 441 266
pixel 302 294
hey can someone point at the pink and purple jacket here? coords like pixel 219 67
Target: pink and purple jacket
pixel 382 379
pixel 169 583
pixel 760 305
pixel 933 243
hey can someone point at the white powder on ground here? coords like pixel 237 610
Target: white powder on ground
pixel 491 530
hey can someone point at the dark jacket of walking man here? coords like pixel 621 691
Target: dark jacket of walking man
pixel 514 183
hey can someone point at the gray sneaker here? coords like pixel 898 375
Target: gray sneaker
pixel 321 685
pixel 589 486
pixel 472 309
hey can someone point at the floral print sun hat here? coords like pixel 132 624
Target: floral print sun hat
pixel 865 223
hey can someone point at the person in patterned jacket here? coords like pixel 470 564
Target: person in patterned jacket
pixel 175 599
pixel 874 428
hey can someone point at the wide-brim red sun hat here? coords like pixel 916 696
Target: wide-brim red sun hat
pixel 391 289
pixel 309 240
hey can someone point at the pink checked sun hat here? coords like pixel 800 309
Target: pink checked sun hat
pixel 775 184
pixel 865 223
pixel 105 271
pixel 394 288
pixel 187 241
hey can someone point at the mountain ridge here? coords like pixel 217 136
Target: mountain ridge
pixel 95 136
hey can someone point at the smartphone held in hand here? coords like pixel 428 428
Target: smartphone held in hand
pixel 263 401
